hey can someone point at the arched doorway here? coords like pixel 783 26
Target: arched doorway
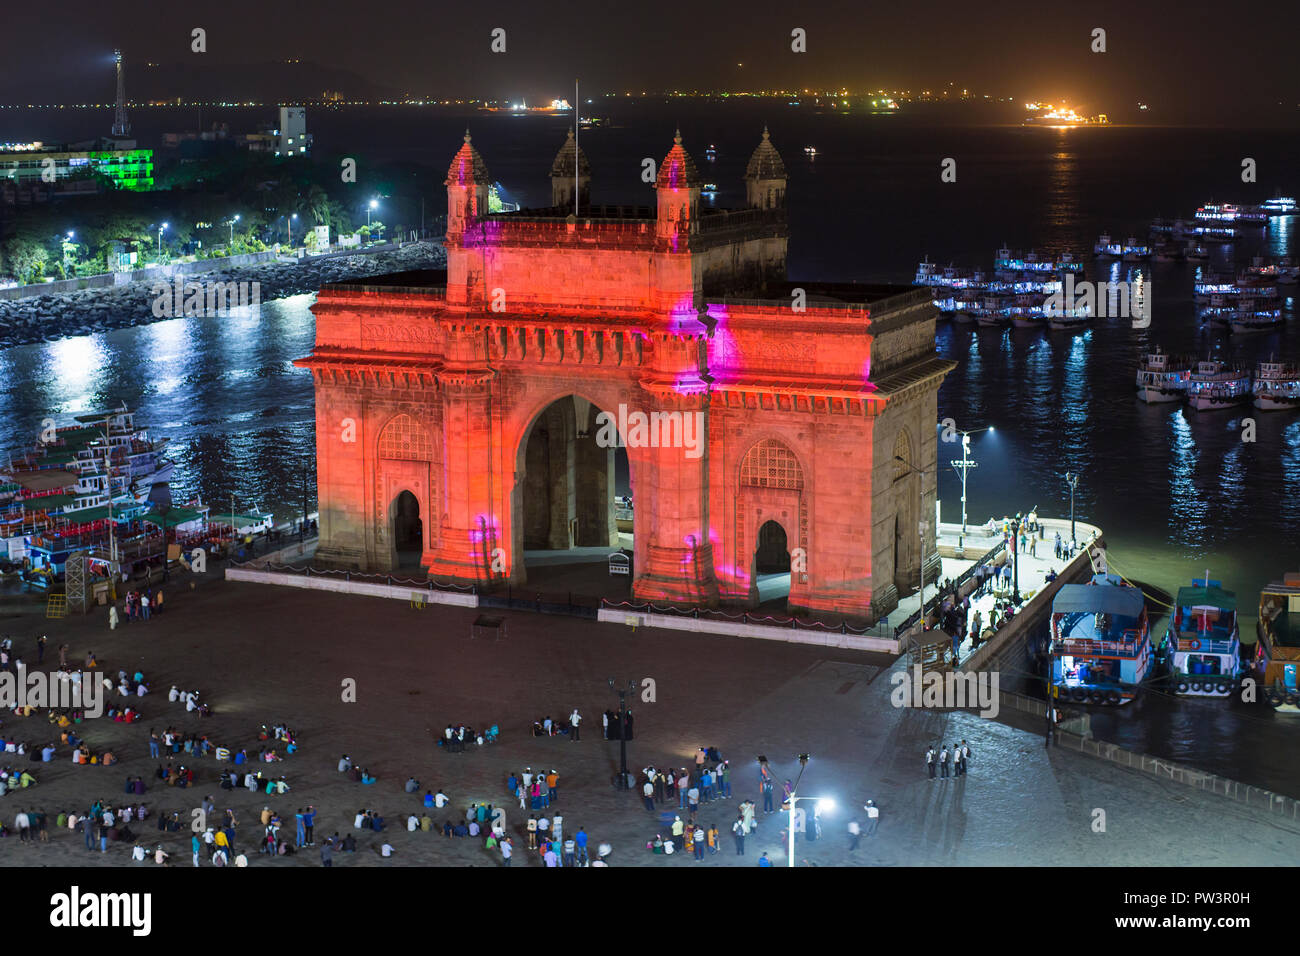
pixel 408 531
pixel 772 564
pixel 573 493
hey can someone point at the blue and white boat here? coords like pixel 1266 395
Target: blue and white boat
pixel 1202 644
pixel 1101 648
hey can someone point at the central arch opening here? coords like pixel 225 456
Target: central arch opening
pixel 408 530
pixel 575 494
pixel 772 565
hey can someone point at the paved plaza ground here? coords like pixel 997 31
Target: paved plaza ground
pixel 262 654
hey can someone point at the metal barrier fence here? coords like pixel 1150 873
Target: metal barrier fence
pixel 309 571
pixel 743 617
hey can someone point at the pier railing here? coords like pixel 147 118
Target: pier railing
pixel 962 578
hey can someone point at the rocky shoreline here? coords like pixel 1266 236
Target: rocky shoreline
pixel 48 318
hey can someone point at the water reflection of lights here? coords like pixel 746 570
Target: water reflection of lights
pixel 1188 510
pixel 75 365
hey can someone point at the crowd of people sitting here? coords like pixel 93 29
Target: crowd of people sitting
pixel 454 737
pixel 546 727
pixel 358 774
pixel 190 698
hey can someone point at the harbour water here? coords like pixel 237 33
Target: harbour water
pixel 1176 491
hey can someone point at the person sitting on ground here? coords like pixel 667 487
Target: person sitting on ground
pixel 412 785
pixel 366 778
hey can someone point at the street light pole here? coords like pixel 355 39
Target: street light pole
pixel 794 799
pixel 1015 550
pixel 622 729
pixel 1072 479
pixel 921 525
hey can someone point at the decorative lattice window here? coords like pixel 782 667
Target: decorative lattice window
pixel 903 450
pixel 405 440
pixel 771 464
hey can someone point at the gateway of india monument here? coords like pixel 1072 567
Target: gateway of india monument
pixel 465 417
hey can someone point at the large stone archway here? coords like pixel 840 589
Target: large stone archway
pixel 758 399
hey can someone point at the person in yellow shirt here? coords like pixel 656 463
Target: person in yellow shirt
pixel 221 841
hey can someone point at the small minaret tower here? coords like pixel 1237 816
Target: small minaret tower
pixel 121 128
pixel 565 171
pixel 677 189
pixel 467 190
pixel 765 177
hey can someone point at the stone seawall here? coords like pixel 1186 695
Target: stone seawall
pixel 122 300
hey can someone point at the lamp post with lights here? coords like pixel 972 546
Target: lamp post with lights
pixel 823 803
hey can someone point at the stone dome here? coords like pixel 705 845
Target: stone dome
pixel 563 167
pixel 765 163
pixel 678 171
pixel 467 167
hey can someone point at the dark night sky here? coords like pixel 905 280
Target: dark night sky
pixel 1179 56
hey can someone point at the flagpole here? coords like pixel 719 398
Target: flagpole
pixel 575 148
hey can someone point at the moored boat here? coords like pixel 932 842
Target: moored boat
pixel 1163 378
pixel 1100 648
pixel 1251 315
pixel 1276 386
pixel 1202 645
pixel 1215 384
pixel 1277 651
pixel 1107 248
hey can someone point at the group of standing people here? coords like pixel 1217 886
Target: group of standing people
pixel 947 760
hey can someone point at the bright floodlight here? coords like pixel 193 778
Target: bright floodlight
pixel 824 804
pixel 71 233
pixel 236 217
pixel 374 204
pixel 163 226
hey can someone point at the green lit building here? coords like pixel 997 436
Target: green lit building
pixel 26 165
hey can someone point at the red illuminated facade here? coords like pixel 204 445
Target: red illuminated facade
pixel 458 412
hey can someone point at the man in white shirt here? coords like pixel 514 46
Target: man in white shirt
pixel 855 834
pixel 412 823
pixel 138 854
pixel 506 850
pixel 386 850
pixel 557 827
pixel 873 817
pixel 345 764
pixel 356 822
pixel 543 828
pixel 575 719
pixel 528 777
pixel 649 792
pixel 173 695
pixel 440 799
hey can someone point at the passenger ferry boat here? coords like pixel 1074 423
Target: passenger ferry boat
pixel 1163 378
pixel 1215 384
pixel 1276 386
pixel 1277 653
pixel 994 310
pixel 1252 315
pixel 1135 251
pixel 1202 647
pixel 1278 206
pixel 1215 213
pixel 709 189
pixel 1100 649
pixel 1106 248
pixel 1209 284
